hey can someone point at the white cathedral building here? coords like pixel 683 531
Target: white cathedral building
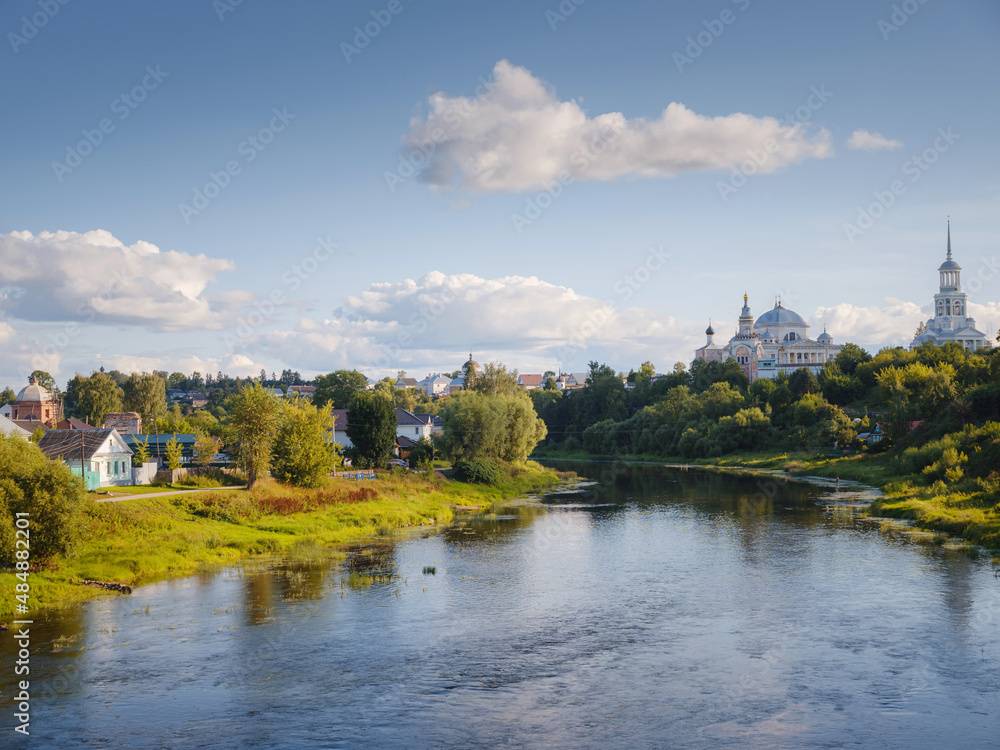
pixel 778 341
pixel 951 321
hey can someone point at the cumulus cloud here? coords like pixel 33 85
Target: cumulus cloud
pixel 517 135
pixel 864 141
pixel 96 277
pixel 234 365
pixel 434 321
pixel 871 327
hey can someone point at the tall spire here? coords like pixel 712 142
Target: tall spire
pixel 949 238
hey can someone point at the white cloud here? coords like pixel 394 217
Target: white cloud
pixel 520 136
pixel 871 327
pixel 96 277
pixel 235 365
pixel 865 141
pixel 432 323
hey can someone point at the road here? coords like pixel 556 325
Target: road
pixel 119 498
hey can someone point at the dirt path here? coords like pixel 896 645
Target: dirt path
pixel 119 498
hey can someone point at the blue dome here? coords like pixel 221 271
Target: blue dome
pixel 709 331
pixel 779 315
pixel 825 337
pixel 948 265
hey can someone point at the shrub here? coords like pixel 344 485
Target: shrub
pixel 479 471
pixel 48 491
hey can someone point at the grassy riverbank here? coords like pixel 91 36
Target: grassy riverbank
pixel 143 540
pixel 923 492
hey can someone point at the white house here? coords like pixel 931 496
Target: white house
pixel 101 451
pixel 340 428
pixel 413 426
pixel 435 385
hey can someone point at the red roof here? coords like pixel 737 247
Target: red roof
pixel 531 380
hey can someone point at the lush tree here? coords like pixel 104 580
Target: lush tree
pixel 7 396
pixel 141 453
pixel 422 454
pixel 801 382
pixel 145 394
pixel 47 490
pixel 96 396
pixel 204 449
pixel 303 453
pixel 482 426
pixel 46 381
pixel 496 380
pixel 255 418
pixel 371 426
pixel 849 357
pixel 174 453
pixel 337 389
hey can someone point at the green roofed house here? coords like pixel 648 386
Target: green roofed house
pixel 105 457
pixel 158 445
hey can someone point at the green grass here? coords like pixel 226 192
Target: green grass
pixel 143 540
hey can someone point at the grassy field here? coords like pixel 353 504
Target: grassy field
pixel 142 540
pixel 967 508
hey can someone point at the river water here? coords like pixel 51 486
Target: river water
pixel 660 608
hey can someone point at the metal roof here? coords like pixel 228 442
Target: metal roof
pixel 71 443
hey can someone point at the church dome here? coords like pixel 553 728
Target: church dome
pixel 472 363
pixel 33 392
pixel 825 336
pixel 779 315
pixel 709 331
pixel 949 265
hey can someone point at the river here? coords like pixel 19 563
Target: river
pixel 660 608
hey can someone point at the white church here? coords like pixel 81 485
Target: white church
pixel 778 341
pixel 951 321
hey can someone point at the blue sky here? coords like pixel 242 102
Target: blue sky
pixel 313 256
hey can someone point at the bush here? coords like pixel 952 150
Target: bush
pixel 47 491
pixel 479 471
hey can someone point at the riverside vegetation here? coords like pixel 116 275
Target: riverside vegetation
pixel 143 540
pixel 939 407
pixel 291 506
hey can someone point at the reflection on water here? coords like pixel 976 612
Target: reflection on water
pixel 658 608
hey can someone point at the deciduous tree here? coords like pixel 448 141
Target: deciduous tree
pixel 255 418
pixel 337 389
pixel 371 426
pixel 303 453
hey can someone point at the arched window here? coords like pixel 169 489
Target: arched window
pixel 947 307
pixel 940 308
pixel 958 308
